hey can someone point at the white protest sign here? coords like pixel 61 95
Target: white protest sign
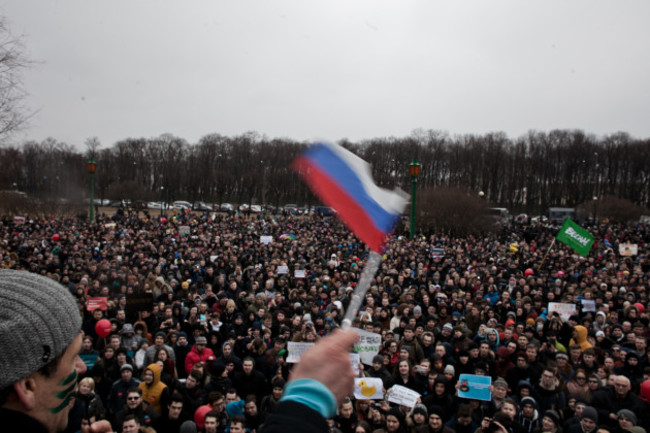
pixel 184 230
pixel 283 269
pixel 299 273
pixel 627 250
pixel 354 363
pixel 266 240
pixel 588 305
pixel 368 388
pixel 564 310
pixel 296 350
pixel 399 394
pixel 367 346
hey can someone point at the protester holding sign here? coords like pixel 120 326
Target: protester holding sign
pixel 316 388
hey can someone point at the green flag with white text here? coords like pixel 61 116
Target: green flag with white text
pixel 576 237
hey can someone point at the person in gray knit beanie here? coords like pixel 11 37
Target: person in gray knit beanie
pixel 40 340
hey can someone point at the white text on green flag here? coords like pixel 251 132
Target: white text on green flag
pixel 575 237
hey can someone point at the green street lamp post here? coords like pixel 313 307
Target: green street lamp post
pixel 91 170
pixel 414 171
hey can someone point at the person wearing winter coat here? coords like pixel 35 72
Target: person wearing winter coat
pixel 199 353
pixel 528 416
pixel 154 392
pixel 120 388
pixel 548 393
pixel 130 340
pixel 580 338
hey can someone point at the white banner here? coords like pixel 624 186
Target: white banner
pixel 354 363
pixel 266 240
pixel 588 305
pixel 296 350
pixel 299 273
pixel 628 249
pixel 367 346
pixel 402 395
pixel 564 310
pixel 368 388
pixel 283 269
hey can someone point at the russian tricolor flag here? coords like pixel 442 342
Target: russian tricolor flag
pixel 343 181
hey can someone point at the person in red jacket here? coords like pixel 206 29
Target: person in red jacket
pixel 199 353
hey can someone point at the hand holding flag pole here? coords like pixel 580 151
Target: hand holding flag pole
pixel 343 181
pixel 574 236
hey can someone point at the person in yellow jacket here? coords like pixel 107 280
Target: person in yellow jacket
pixel 580 338
pixel 154 392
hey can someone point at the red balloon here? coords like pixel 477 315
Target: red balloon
pixel 199 415
pixel 103 328
pixel 55 237
pixel 528 272
pixel 163 220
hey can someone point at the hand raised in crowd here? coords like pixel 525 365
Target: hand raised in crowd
pixel 328 362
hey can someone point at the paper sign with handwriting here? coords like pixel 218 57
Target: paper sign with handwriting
pixel 367 346
pixel 402 395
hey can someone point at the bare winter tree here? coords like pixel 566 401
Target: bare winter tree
pixel 92 146
pixel 13 61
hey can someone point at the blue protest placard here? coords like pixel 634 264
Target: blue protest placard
pixel 475 387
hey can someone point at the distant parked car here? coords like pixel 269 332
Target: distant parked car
pixel 201 206
pixel 121 203
pixel 227 207
pixel 157 205
pixel 181 205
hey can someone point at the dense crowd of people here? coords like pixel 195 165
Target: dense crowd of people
pixel 200 309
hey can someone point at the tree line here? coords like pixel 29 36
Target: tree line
pixel 524 174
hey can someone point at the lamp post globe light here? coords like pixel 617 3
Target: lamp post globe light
pixel 92 166
pixel 414 171
pixel 162 203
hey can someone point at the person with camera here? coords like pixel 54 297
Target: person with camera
pixel 500 423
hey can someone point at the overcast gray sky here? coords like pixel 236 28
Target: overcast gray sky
pixel 356 69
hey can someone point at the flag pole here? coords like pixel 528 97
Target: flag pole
pixel 545 255
pixel 368 273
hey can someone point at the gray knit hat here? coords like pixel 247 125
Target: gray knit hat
pixel 38 321
pixel 627 414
